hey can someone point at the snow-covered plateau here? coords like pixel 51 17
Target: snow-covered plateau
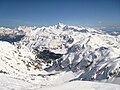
pixel 59 57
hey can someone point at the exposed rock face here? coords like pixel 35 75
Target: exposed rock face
pixel 48 56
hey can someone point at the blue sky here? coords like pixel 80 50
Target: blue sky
pixel 48 12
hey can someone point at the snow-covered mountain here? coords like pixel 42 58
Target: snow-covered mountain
pixel 57 38
pixel 11 35
pixel 95 54
pixel 60 53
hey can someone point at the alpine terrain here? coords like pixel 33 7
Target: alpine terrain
pixel 59 57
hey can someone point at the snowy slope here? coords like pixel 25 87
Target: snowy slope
pixel 8 83
pixel 83 85
pixel 17 62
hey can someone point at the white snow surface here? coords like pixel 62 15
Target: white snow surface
pixel 8 83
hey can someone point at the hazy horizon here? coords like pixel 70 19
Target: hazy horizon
pixel 92 13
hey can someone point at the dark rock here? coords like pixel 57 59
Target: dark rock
pixel 48 55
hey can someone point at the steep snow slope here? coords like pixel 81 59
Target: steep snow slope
pixel 19 63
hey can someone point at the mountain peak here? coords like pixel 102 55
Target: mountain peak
pixel 60 25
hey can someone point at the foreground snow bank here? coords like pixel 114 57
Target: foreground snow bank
pixel 84 85
pixel 8 83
